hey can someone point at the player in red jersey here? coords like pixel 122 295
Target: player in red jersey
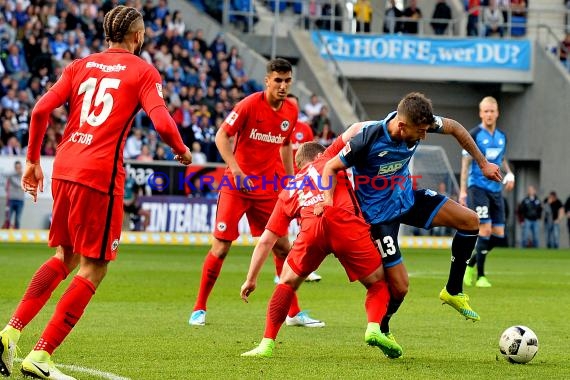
pixel 302 133
pixel 319 236
pixel 104 92
pixel 258 162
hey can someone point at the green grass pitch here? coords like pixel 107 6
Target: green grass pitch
pixel 136 325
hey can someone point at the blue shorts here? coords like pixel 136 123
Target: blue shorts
pixel 488 205
pixel 426 206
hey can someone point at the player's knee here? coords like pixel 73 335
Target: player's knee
pixel 281 248
pixel 399 290
pixel 220 248
pixel 471 221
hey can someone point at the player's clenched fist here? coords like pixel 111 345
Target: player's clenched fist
pixel 184 159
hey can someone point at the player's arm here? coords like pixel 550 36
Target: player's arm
pixel 260 253
pixel 332 167
pixel 465 163
pixel 509 180
pixel 351 131
pixel 286 152
pixel 168 132
pixel 454 128
pixel 277 226
pixel 33 177
pixel 151 99
pixel 224 146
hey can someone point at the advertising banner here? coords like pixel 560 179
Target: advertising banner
pixel 482 53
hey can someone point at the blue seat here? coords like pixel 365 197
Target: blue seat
pixel 199 4
pixel 518 26
pixel 282 5
pixel 298 7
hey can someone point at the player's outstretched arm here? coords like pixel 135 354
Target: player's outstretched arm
pixel 454 128
pixel 333 166
pixel 286 153
pixel 33 177
pixel 226 151
pixel 465 162
pixel 353 130
pixel 168 132
pixel 260 253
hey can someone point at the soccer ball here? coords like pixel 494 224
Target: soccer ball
pixel 518 344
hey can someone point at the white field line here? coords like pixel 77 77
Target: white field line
pixel 89 371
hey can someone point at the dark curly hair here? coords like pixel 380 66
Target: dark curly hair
pixel 417 109
pixel 119 22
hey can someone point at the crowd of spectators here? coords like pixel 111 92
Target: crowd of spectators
pixel 202 80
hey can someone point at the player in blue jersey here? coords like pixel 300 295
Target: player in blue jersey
pixel 482 195
pixel 379 157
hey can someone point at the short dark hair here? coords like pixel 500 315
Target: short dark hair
pixel 119 22
pixel 307 152
pixel 279 65
pixel 417 109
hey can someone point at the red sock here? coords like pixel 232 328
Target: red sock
pixel 210 272
pixel 67 313
pixel 376 304
pixel 279 262
pixel 295 308
pixel 277 309
pixel 42 285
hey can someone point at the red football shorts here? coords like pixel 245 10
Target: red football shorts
pixel 85 219
pixel 231 208
pixel 339 232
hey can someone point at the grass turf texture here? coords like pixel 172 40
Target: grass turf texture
pixel 136 325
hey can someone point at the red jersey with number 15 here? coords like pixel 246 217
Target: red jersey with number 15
pixel 104 92
pixel 259 132
pixel 301 195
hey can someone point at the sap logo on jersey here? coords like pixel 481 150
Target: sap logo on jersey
pixel 81 138
pixel 392 167
pixel 492 153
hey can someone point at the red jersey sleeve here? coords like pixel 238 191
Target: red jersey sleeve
pixel 334 148
pixel 63 87
pixel 39 123
pixel 279 220
pixel 237 119
pixel 150 90
pixel 167 130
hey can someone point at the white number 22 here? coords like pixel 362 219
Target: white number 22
pixel 88 87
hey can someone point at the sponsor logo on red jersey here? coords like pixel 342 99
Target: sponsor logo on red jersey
pixel 159 89
pixel 285 125
pixel 232 117
pixel 266 137
pixel 106 68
